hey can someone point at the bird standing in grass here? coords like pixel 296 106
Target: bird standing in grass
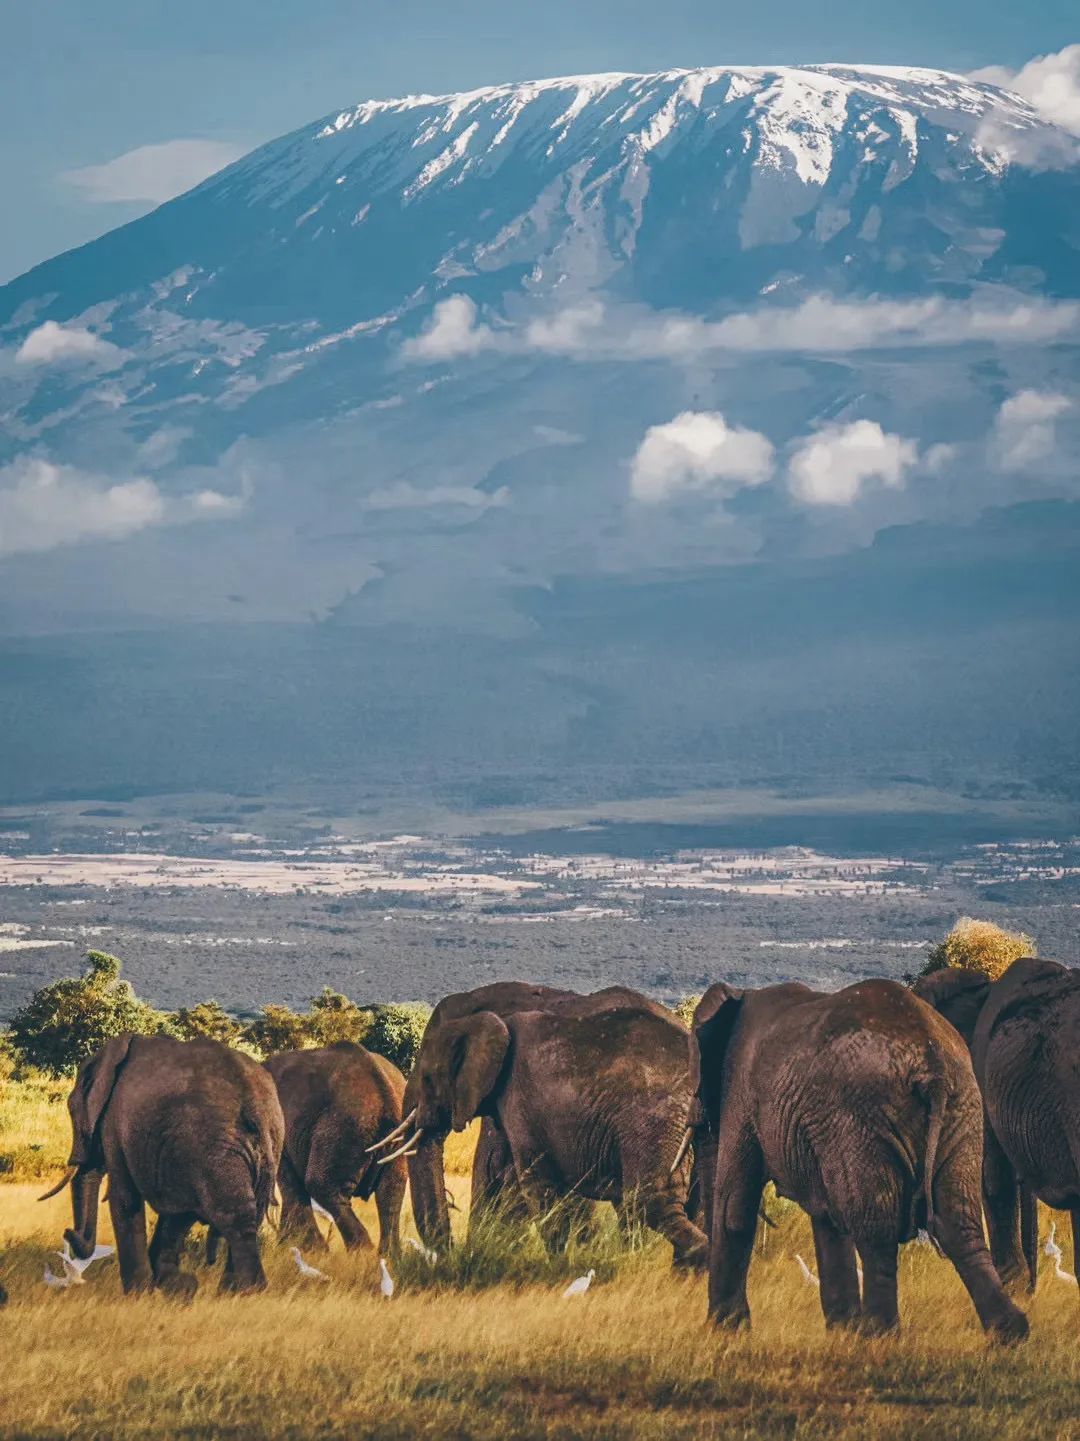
pixel 1053 1250
pixel 74 1266
pixel 580 1286
pixel 428 1254
pixel 386 1281
pixel 311 1272
pixel 807 1275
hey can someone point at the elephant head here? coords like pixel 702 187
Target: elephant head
pixel 455 1075
pixel 958 995
pixel 89 1097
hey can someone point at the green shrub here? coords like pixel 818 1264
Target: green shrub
pixel 685 1009
pixel 277 1028
pixel 979 946
pixel 333 1017
pixel 396 1032
pixel 68 1020
pixel 208 1018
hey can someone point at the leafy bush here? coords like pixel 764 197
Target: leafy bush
pixel 277 1028
pixel 63 1023
pixel 333 1017
pixel 208 1018
pixel 396 1032
pixel 685 1009
pixel 974 945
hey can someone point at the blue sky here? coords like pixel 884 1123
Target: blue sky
pixel 77 90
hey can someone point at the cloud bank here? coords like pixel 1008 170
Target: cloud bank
pixel 819 324
pixel 698 451
pixel 153 172
pixel 1025 431
pixel 1051 86
pixel 43 506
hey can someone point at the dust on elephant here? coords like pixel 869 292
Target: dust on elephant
pixel 1024 1033
pixel 192 1128
pixel 583 1096
pixel 338 1101
pixel 862 1107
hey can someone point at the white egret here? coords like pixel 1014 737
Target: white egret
pixel 428 1254
pixel 311 1272
pixel 581 1285
pixel 807 1275
pixel 386 1281
pixel 74 1266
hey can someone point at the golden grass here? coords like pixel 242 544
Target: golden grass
pixel 35 1132
pixel 634 1358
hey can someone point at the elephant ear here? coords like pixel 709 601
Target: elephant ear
pixel 90 1095
pixel 956 994
pixel 478 1051
pixel 710 1031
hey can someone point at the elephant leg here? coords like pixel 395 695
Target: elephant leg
pixel 128 1215
pixel 82 1236
pixel 389 1199
pixel 1029 1234
pixel 1002 1204
pixel 243 1263
pixel 165 1251
pixel 353 1231
pixel 297 1221
pixel 959 1231
pixel 495 1189
pixel 880 1312
pixel 740 1180
pixel 837 1272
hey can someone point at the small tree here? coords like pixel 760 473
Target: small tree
pixel 65 1022
pixel 685 1007
pixel 208 1018
pixel 277 1028
pixel 396 1032
pixel 979 946
pixel 333 1017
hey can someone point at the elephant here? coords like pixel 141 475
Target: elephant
pixel 190 1127
pixel 1024 1033
pixel 862 1107
pixel 584 1097
pixel 337 1101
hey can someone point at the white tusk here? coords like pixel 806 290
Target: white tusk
pixel 396 1133
pixel 408 1149
pixel 684 1146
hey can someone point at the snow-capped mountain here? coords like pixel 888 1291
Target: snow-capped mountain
pixel 427 360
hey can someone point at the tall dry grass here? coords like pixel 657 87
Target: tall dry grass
pixel 483 1345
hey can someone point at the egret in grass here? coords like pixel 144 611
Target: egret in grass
pixel 1053 1250
pixel 428 1254
pixel 74 1266
pixel 311 1272
pixel 386 1281
pixel 581 1285
pixel 807 1275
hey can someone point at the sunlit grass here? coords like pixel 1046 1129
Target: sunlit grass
pixel 482 1344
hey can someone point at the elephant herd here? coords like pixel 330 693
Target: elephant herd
pixel 881 1110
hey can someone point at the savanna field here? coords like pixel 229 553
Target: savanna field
pixel 483 1343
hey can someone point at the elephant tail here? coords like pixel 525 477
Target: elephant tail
pixel 935 1092
pixel 264 1162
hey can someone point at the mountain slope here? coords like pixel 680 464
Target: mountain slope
pixel 667 338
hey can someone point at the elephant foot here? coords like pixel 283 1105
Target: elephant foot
pixel 851 1321
pixel 178 1285
pixel 733 1320
pixel 1010 1329
pixel 875 1326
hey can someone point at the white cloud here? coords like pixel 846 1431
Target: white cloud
pixel 1051 86
pixel 831 466
pixel 453 331
pixel 819 324
pixel 405 496
pixel 698 451
pixel 1049 83
pixel 1025 431
pixel 153 172
pixel 50 343
pixel 44 505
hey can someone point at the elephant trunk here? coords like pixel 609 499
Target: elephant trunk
pixel 427 1184
pixel 85 1187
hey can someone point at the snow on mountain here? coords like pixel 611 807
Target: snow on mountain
pixel 412 298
